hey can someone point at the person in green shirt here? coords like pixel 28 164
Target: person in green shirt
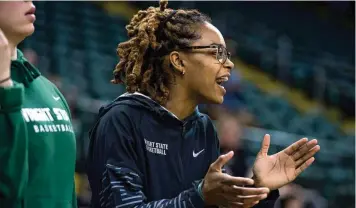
pixel 37 143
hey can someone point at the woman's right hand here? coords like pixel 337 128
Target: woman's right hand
pixel 220 189
pixel 5 60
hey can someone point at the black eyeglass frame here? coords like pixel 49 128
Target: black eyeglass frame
pixel 217 47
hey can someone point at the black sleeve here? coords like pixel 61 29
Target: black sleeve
pixel 269 201
pixel 121 180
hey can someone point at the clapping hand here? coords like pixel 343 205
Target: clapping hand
pixel 275 171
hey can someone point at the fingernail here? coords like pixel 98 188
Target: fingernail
pixel 229 153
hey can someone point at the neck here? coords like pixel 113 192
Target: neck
pixel 14 39
pixel 180 104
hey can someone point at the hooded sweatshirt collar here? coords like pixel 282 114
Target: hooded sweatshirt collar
pixel 23 71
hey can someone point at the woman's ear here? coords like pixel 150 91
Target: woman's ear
pixel 177 62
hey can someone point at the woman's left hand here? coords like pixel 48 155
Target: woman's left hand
pixel 275 171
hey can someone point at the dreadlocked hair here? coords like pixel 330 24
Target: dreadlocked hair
pixel 153 33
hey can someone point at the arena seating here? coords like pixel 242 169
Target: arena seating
pixel 319 48
pixel 78 41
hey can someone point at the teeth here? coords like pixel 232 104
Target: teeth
pixel 222 79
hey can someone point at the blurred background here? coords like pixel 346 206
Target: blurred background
pixel 293 77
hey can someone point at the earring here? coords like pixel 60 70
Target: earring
pixel 183 72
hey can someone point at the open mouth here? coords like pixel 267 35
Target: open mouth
pixel 221 80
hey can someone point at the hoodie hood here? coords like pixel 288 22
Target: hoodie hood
pixel 23 71
pixel 145 103
pixel 141 101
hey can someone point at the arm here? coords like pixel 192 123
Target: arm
pixel 124 189
pixel 13 147
pixel 121 181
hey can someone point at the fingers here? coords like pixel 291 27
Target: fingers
pixel 241 205
pixel 221 161
pixel 243 201
pixel 265 145
pixel 295 146
pixel 250 201
pixel 238 181
pixel 5 60
pixel 236 196
pixel 304 166
pixel 308 155
pixel 247 201
pixel 304 149
pixel 248 191
pixel 3 39
pixel 4 44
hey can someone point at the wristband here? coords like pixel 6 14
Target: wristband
pixel 200 192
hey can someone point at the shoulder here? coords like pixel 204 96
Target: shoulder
pixel 115 124
pixel 118 115
pixel 118 111
pixel 49 85
pixel 47 82
pixel 56 92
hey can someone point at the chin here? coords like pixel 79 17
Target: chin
pixel 24 31
pixel 215 100
pixel 28 30
pixel 220 100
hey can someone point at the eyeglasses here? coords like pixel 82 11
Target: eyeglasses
pixel 221 52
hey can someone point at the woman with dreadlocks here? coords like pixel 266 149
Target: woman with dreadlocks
pixel 151 147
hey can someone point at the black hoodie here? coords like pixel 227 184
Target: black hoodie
pixel 142 155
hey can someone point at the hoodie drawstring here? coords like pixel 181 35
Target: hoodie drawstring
pixel 25 72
